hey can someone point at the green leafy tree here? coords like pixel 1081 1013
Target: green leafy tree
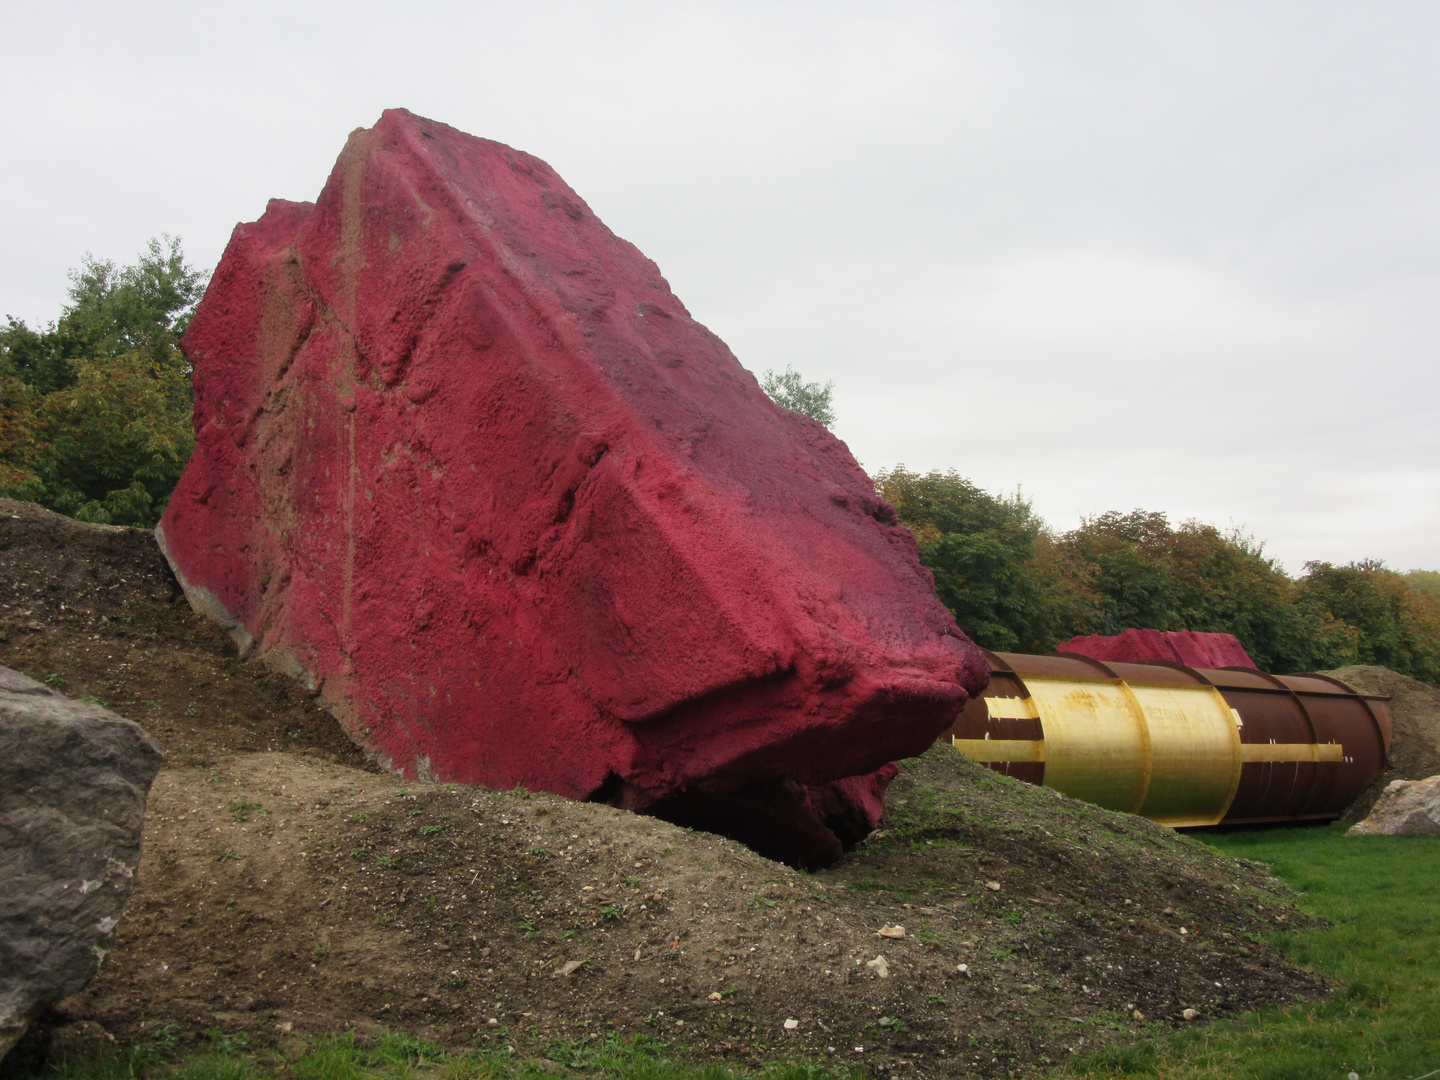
pixel 789 390
pixel 1128 569
pixel 20 441
pixel 982 551
pixel 1397 627
pixel 1425 582
pixel 1146 573
pixel 95 413
pixel 1014 585
pixel 117 439
pixel 140 308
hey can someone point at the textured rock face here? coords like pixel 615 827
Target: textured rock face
pixel 467 467
pixel 1190 647
pixel 1405 808
pixel 73 781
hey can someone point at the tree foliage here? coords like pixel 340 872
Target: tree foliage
pixel 1013 584
pixel 1394 626
pixel 95 408
pixel 789 390
pixel 1426 582
pixel 991 558
pixel 1141 571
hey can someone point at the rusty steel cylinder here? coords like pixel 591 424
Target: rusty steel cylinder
pixel 1179 745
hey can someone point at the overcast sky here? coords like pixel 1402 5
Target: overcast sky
pixel 1177 256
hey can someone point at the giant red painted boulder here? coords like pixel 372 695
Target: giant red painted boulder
pixel 468 468
pixel 1193 648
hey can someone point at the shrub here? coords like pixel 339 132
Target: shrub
pixel 95 413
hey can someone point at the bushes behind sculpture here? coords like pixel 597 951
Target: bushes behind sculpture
pixel 468 467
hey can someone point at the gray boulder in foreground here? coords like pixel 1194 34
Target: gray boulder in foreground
pixel 1405 808
pixel 73 782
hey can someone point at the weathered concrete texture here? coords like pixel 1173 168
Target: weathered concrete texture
pixel 1190 647
pixel 467 467
pixel 1405 808
pixel 73 781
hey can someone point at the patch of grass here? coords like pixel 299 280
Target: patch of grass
pixel 218 1066
pixel 1382 947
pixel 226 1042
pixel 240 809
pixel 405 1049
pixel 333 1058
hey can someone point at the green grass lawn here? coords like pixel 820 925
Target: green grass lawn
pixel 1381 896
pixel 403 1057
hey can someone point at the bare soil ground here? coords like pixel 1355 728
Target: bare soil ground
pixel 289 888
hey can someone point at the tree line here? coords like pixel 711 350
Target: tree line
pixel 95 422
pixel 1014 584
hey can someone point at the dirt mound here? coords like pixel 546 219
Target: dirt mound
pixel 1415 715
pixel 94 611
pixel 287 889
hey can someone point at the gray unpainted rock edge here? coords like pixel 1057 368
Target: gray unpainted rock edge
pixel 90 807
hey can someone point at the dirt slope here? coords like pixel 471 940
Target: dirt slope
pixel 288 888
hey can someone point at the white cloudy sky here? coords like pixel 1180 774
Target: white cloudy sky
pixel 1180 256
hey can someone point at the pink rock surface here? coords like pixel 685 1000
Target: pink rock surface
pixel 466 466
pixel 1190 647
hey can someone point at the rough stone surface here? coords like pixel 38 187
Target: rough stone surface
pixel 1405 808
pixel 1190 647
pixel 469 469
pixel 73 781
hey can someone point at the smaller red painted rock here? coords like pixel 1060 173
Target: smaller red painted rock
pixel 1190 647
